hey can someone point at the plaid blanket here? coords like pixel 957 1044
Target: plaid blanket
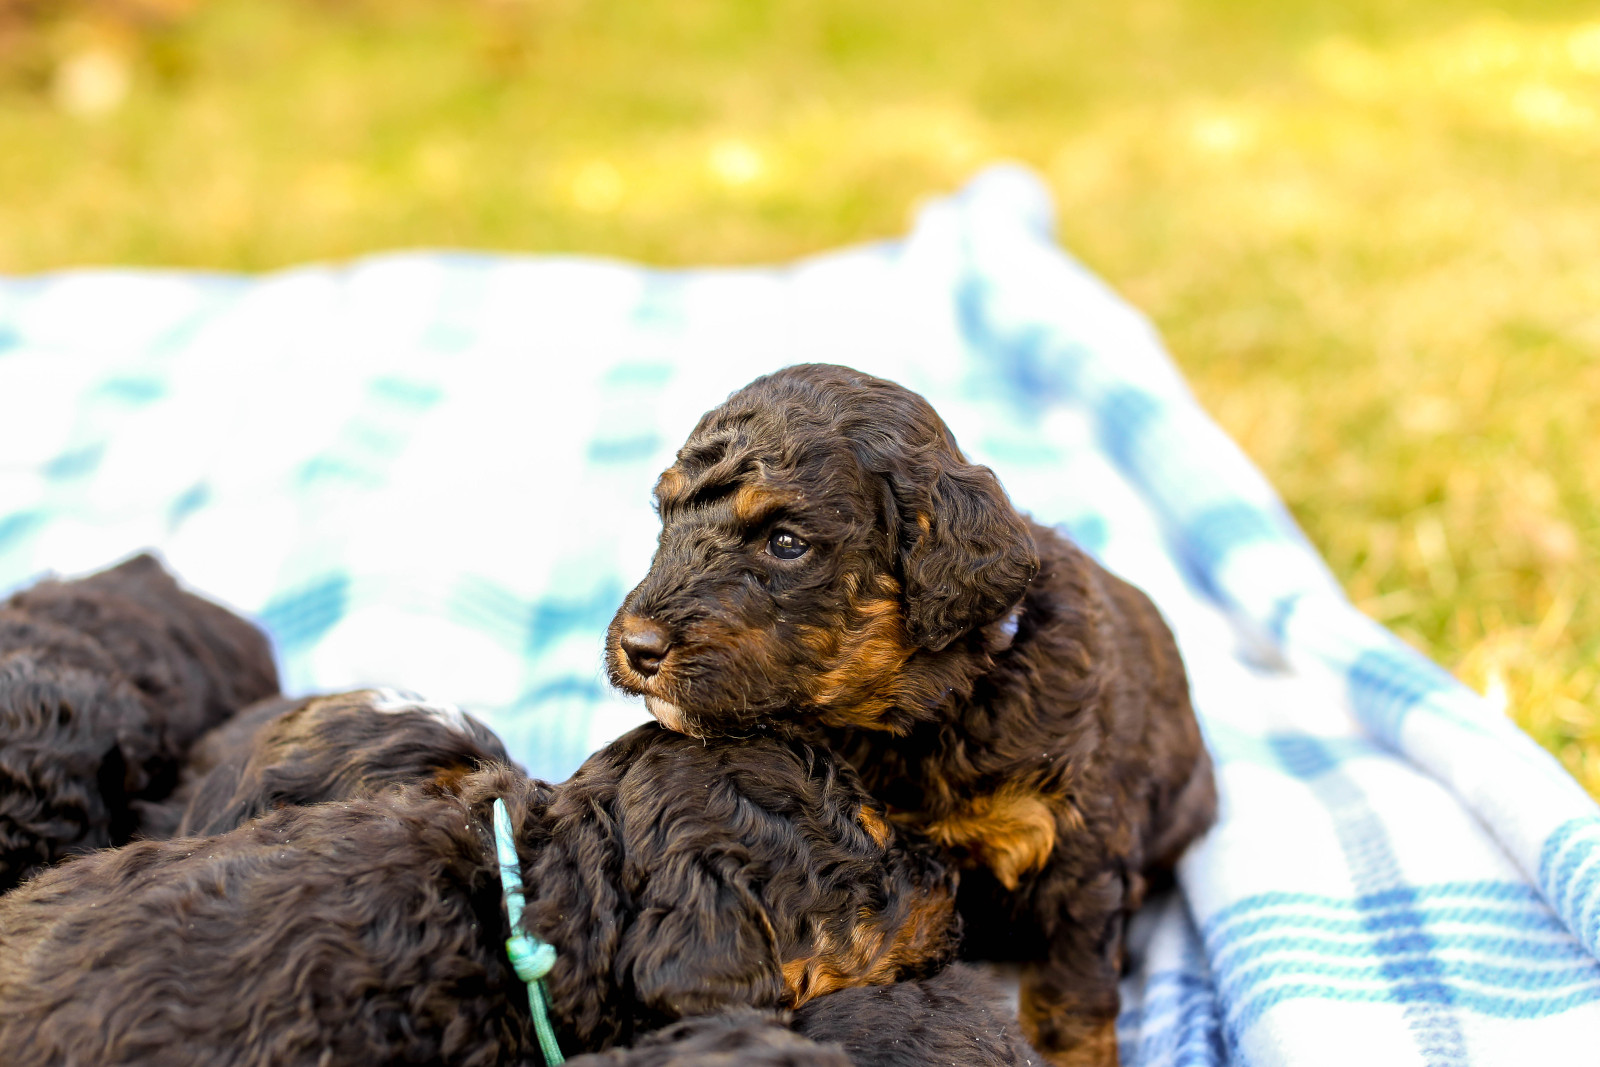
pixel 434 471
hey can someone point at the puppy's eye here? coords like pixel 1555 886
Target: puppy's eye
pixel 786 545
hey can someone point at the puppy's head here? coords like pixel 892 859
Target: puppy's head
pixel 284 753
pixel 823 542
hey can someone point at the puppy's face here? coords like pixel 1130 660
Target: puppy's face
pixel 824 545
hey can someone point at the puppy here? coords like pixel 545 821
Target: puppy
pixel 830 562
pixel 104 684
pixel 283 752
pixel 674 878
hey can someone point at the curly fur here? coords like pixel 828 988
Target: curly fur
pixel 742 1038
pixel 957 1016
pixel 674 879
pixel 282 752
pixel 196 661
pixel 998 689
pixel 104 684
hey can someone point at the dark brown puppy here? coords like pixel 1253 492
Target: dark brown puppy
pixel 673 878
pixel 283 752
pixel 829 560
pixel 104 684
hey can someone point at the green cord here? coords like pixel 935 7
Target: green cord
pixel 530 957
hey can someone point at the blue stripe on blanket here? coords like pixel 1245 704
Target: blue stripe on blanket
pixel 550 620
pixel 1405 942
pixel 412 395
pixel 1569 873
pixel 77 463
pixel 299 619
pixel 16 526
pixel 1373 867
pixel 1425 997
pixel 1511 899
pixel 491 609
pixel 1219 531
pixel 191 500
pixel 1031 366
pixel 134 391
pixel 1386 684
pixel 1431 948
pixel 1176 1023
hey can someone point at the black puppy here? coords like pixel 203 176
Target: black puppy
pixel 105 682
pixel 283 752
pixel 673 878
pixel 830 563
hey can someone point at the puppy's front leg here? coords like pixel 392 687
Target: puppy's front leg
pixel 1069 1000
pixel 1068 1027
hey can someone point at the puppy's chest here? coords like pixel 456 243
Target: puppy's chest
pixel 1010 825
pixel 1012 830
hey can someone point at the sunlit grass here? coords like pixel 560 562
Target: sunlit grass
pixel 1368 231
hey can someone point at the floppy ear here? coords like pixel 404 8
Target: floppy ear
pixel 703 942
pixel 966 555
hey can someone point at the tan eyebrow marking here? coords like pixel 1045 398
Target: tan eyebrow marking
pixel 753 504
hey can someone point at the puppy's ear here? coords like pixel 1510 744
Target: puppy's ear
pixel 706 946
pixel 966 555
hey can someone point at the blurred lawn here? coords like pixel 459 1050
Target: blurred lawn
pixel 1369 230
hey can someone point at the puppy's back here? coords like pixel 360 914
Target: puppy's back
pixel 353 931
pixel 234 654
pixel 195 661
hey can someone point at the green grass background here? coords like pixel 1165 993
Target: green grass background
pixel 1369 230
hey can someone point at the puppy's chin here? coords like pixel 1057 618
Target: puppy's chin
pixel 670 715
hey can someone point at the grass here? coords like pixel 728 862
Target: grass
pixel 1367 229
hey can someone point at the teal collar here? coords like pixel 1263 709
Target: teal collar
pixel 530 957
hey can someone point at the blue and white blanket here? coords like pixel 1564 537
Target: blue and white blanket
pixel 434 471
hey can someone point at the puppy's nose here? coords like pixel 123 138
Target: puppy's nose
pixel 645 642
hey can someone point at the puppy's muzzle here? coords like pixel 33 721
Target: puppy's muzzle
pixel 646 643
